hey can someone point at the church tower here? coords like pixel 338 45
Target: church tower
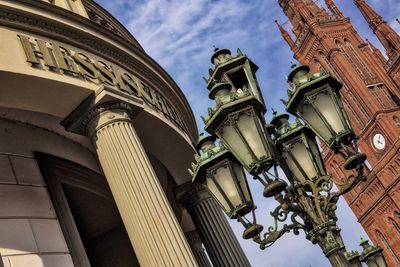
pixel 371 95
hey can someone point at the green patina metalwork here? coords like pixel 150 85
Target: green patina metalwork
pixel 309 200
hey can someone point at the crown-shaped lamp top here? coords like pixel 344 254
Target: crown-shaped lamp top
pixel 220 56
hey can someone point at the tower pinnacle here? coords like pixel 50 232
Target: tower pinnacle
pixel 332 7
pixel 386 35
pixel 286 36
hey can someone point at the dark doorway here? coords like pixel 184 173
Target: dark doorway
pixel 90 220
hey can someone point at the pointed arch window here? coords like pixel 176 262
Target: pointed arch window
pixel 358 60
pixel 386 245
pixel 394 224
pixel 380 92
pixel 349 109
pixel 358 105
pixel 350 58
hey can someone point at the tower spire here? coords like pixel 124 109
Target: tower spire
pixel 286 36
pixel 333 7
pixel 386 35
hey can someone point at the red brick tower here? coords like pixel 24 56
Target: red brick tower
pixel 371 93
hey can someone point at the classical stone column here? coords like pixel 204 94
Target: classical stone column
pixel 218 238
pixel 150 222
pixel 197 248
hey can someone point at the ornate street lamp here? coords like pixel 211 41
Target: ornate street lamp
pixel 372 255
pixel 238 120
pixel 224 176
pixel 316 100
pixel 354 258
pixel 238 70
pixel 299 150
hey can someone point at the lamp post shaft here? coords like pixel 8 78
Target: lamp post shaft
pixel 338 259
pixel 327 236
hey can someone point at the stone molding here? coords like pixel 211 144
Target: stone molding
pixel 14 18
pixel 191 194
pixel 105 99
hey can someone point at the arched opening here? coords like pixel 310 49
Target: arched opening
pixel 89 218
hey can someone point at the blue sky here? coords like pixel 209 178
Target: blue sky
pixel 180 36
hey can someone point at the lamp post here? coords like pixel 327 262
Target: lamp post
pixel 307 197
pixel 372 255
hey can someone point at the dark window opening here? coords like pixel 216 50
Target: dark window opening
pixel 88 216
pixel 239 80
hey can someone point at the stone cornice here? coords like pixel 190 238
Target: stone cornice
pixel 64 13
pixel 92 6
pixel 86 119
pixel 141 64
pixel 191 194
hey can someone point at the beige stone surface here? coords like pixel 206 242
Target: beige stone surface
pixel 27 171
pixel 16 237
pixel 31 260
pixel 152 227
pixel 25 201
pixel 59 260
pixel 50 260
pixel 6 173
pixel 6 262
pixel 48 235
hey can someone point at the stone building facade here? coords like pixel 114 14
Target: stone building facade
pixel 95 140
pixel 326 38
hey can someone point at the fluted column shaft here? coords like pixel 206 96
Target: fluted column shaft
pixel 150 222
pixel 218 238
pixel 197 248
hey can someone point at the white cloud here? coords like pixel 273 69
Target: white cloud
pixel 179 35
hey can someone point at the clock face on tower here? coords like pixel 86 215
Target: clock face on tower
pixel 379 141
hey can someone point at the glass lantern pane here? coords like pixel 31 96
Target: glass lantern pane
pixel 235 144
pixel 217 194
pixel 373 263
pixel 241 177
pixel 247 124
pixel 303 156
pixel 380 260
pixel 325 104
pixel 226 182
pixel 317 156
pixel 293 167
pixel 312 118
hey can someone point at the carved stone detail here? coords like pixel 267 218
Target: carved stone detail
pixel 62 32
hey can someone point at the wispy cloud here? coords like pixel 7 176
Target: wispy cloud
pixel 180 36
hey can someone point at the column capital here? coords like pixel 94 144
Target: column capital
pixel 190 194
pixel 104 114
pixel 108 101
